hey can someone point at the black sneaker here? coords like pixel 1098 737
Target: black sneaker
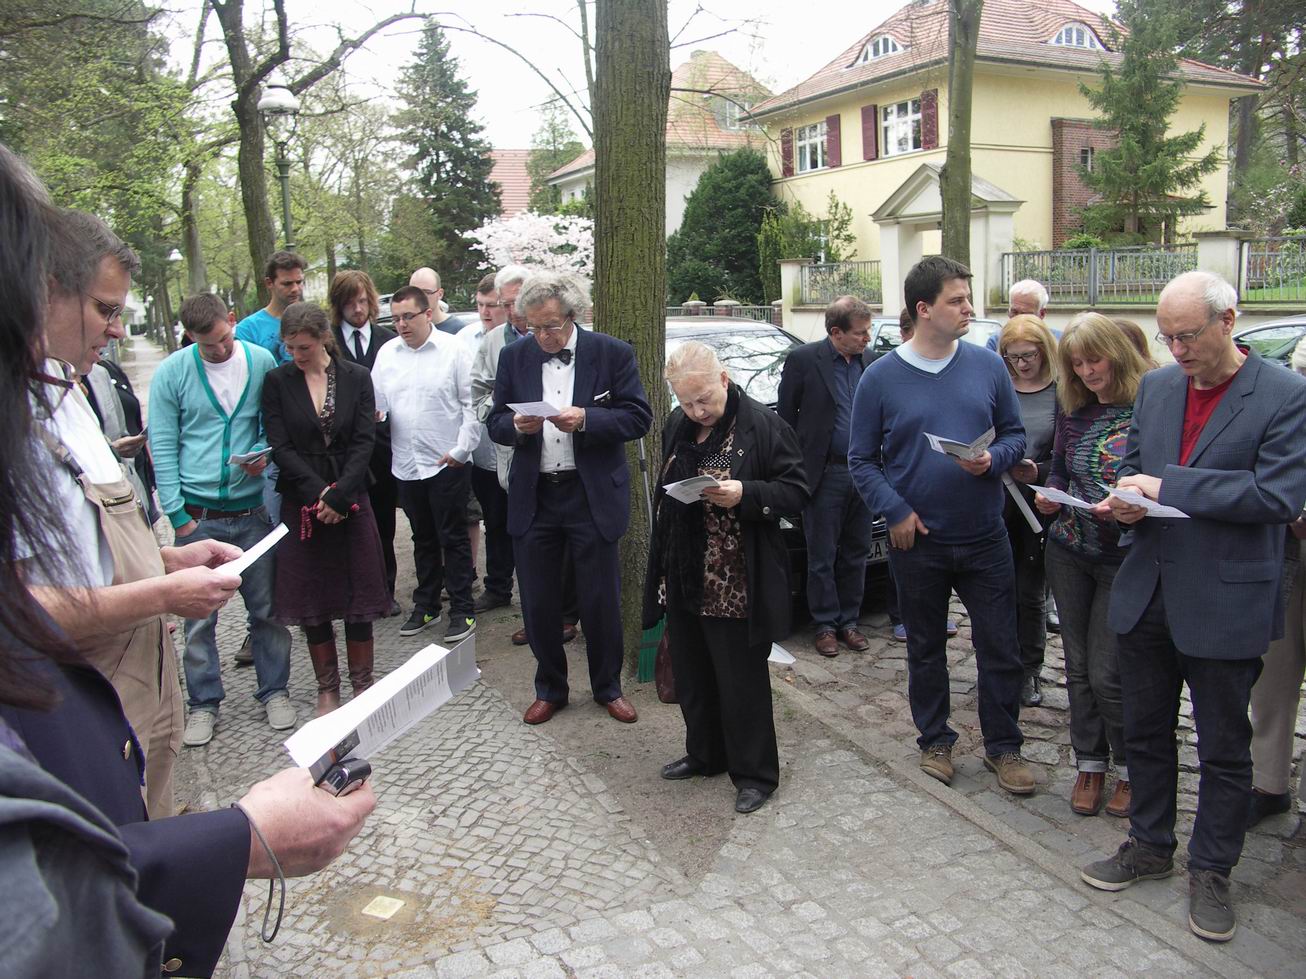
pixel 1210 913
pixel 418 621
pixel 1132 862
pixel 245 654
pixel 1031 694
pixel 487 600
pixel 1262 805
pixel 460 627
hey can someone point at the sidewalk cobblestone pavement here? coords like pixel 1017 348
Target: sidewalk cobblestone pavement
pixel 514 859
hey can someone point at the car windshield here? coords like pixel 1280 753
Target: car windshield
pixel 752 358
pixel 1274 342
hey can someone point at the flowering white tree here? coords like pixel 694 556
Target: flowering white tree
pixel 546 241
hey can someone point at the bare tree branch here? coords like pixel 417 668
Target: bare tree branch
pixel 557 20
pixel 275 60
pixel 346 48
pixel 17 27
pixel 192 78
pixel 586 49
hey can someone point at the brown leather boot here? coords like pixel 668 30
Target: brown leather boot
pixel 1120 799
pixel 327 669
pixel 1086 796
pixel 360 664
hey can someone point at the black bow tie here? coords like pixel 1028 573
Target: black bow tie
pixel 563 355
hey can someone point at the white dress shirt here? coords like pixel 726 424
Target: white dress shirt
pixel 427 393
pixel 559 380
pixel 364 332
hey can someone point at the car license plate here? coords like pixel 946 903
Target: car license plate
pixel 879 552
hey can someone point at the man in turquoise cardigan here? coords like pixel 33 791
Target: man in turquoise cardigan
pixel 204 408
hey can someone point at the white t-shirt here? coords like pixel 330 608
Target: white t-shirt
pixel 928 364
pixel 228 378
pixel 75 426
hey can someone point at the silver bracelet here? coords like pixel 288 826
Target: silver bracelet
pixel 272 882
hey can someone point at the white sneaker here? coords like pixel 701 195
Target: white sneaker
pixel 199 728
pixel 281 712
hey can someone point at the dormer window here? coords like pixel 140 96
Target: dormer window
pixel 1077 36
pixel 878 48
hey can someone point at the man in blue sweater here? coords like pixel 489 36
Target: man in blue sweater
pixel 204 408
pixel 944 513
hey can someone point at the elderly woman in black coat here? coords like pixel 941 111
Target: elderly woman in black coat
pixel 719 568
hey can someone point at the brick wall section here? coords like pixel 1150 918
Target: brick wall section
pixel 1069 194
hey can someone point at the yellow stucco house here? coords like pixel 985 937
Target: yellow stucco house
pixel 865 124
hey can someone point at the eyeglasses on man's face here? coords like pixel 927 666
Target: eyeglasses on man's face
pixel 549 329
pixel 1170 339
pixel 407 318
pixel 110 311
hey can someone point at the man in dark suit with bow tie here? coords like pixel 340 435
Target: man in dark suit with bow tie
pixel 569 483
pixel 816 398
pixel 354 308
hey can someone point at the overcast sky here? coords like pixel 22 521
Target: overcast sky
pixel 779 43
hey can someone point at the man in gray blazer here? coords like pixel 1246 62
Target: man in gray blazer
pixel 1219 435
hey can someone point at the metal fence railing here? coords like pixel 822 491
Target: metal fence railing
pixel 820 285
pixel 1135 274
pixel 1273 269
pixel 761 314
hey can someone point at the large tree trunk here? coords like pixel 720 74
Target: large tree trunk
pixel 190 232
pixel 254 192
pixel 632 85
pixel 955 180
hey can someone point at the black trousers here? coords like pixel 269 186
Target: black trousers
pixel 1152 674
pixel 724 688
pixel 563 523
pixel 384 497
pixel 498 543
pixel 437 511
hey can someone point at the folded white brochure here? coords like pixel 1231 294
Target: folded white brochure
pixel 1065 499
pixel 240 564
pixel 362 727
pixel 1153 508
pixel 535 409
pixel 961 450
pixel 780 655
pixel 244 458
pixel 690 490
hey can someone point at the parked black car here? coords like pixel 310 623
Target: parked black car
pixel 753 353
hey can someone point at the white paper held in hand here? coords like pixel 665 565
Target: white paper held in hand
pixel 364 726
pixel 245 458
pixel 690 490
pixel 535 409
pixel 1065 499
pixel 240 564
pixel 961 450
pixel 1153 508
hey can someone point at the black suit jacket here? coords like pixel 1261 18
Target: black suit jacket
pixel 192 867
pixel 807 402
pixel 379 338
pixel 307 463
pixel 607 386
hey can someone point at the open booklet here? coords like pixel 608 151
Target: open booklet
pixel 365 725
pixel 961 450
pixel 690 490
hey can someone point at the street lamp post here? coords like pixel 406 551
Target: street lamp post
pixel 279 109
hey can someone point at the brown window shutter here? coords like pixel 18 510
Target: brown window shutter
pixel 930 119
pixel 786 152
pixel 833 146
pixel 870 132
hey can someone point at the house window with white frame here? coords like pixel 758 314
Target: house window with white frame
pixel 809 147
pixel 1076 36
pixel 878 48
pixel 1086 158
pixel 900 127
pixel 736 114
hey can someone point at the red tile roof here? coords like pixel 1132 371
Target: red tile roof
pixel 1011 31
pixel 514 182
pixel 693 121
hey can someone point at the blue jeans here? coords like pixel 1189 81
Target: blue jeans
pixel 838 529
pixel 1152 673
pixel 271 498
pixel 270 642
pixel 984 578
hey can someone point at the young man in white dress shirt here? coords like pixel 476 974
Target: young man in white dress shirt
pixel 423 382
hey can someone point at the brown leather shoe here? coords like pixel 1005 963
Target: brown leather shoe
pixel 854 640
pixel 1120 800
pixel 541 711
pixel 623 710
pixel 827 644
pixel 568 634
pixel 1086 796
